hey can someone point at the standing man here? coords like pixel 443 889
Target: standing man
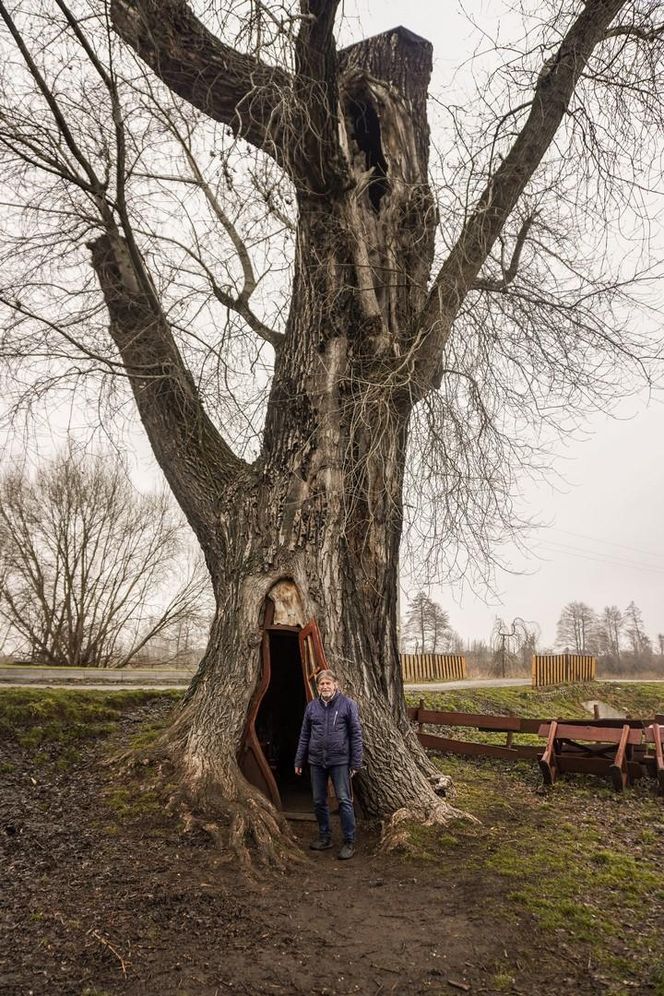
pixel 331 740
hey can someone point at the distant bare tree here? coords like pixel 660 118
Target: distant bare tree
pixel 85 560
pixel 427 628
pixel 514 644
pixel 610 625
pixel 639 642
pixel 577 627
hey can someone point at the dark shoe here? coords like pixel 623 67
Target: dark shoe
pixel 322 843
pixel 347 851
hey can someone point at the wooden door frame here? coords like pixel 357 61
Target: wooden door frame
pixel 250 742
pixel 312 660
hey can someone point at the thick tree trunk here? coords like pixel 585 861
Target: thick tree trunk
pixel 322 506
pixel 339 548
pixel 323 509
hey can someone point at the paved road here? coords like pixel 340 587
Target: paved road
pixel 15 676
pixel 446 686
pixel 154 678
pixel 69 677
pixel 83 686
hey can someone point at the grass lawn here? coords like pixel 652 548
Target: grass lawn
pixel 563 701
pixel 41 716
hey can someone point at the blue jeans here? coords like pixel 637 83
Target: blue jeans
pixel 340 775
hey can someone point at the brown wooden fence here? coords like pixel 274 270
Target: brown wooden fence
pixel 433 667
pixel 563 669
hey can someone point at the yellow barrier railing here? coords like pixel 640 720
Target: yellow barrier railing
pixel 563 669
pixel 433 667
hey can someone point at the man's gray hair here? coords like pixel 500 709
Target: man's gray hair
pixel 326 674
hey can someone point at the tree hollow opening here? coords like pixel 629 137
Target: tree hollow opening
pixel 365 128
pixel 279 719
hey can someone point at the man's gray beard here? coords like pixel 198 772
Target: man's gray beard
pixel 326 696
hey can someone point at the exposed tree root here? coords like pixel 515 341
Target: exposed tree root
pixel 249 834
pixel 397 830
pixel 217 801
pixel 244 825
pixel 200 782
pixel 442 784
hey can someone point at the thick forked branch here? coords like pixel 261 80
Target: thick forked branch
pixel 554 89
pixel 291 117
pixel 198 464
pixel 315 48
pixel 236 89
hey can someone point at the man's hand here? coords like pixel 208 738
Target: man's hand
pixel 298 771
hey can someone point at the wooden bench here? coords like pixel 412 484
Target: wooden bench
pixel 591 749
pixel 620 748
pixel 654 734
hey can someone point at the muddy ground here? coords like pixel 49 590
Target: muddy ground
pixel 101 895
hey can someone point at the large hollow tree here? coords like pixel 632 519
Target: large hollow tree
pixel 365 342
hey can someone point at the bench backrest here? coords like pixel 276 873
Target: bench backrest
pixel 595 734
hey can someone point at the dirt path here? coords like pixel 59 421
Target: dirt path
pixel 100 899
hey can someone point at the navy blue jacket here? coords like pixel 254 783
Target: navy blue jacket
pixel 331 734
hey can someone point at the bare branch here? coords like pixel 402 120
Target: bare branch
pixel 553 91
pixel 18 307
pixel 239 304
pixel 229 86
pixel 93 184
pixel 635 31
pixel 509 272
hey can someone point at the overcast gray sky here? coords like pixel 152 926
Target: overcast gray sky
pixel 604 544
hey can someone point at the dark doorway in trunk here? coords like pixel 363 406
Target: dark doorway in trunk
pixel 291 656
pixel 279 719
